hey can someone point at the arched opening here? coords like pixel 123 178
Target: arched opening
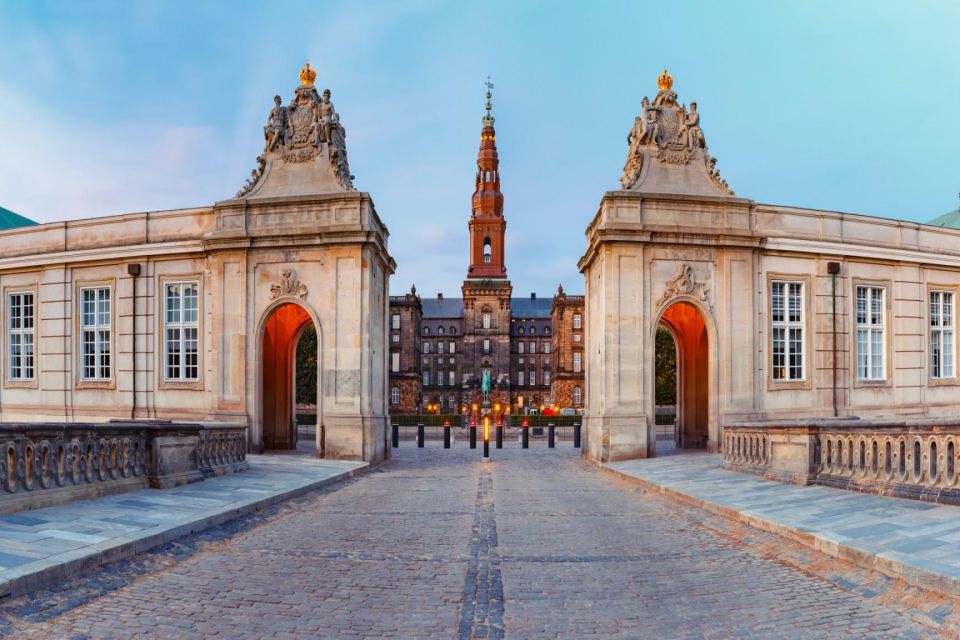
pixel 279 380
pixel 487 250
pixel 665 389
pixel 689 332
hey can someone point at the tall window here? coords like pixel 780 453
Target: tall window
pixel 519 378
pixel 577 321
pixel 440 346
pixel 546 347
pixel 426 378
pixel 395 395
pixel 426 347
pixel 520 347
pixel 546 377
pixel 871 334
pixel 486 346
pixel 395 361
pixel 453 347
pixel 576 362
pixel 440 378
pixel 941 334
pixel 182 335
pixel 95 333
pixel 533 378
pixel 786 314
pixel 20 358
pixel 533 346
pixel 453 379
pixel 396 325
pixel 486 319
pixel 577 395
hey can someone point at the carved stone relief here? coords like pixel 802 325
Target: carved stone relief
pixel 288 286
pixel 685 283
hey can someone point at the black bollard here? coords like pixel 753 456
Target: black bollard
pixel 526 437
pixel 551 435
pixel 420 435
pixel 396 435
pixel 473 436
pixel 499 436
pixel 446 436
pixel 576 435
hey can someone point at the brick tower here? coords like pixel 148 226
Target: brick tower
pixel 486 290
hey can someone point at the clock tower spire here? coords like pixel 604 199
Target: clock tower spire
pixel 487 225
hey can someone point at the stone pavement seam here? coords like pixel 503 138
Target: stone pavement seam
pixel 481 614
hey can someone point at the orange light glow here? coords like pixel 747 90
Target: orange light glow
pixel 486 429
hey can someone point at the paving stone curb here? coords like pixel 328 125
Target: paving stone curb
pixel 888 566
pixel 48 571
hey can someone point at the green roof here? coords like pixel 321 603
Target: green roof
pixel 950 220
pixel 11 220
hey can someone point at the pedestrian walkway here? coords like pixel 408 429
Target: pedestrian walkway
pixel 42 546
pixel 916 541
pixel 437 544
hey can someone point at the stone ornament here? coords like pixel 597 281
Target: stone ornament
pixel 667 132
pixel 308 128
pixel 685 284
pixel 288 286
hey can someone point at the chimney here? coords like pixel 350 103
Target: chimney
pixel 439 296
pixel 533 296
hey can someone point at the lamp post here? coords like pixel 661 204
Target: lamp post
pixel 486 439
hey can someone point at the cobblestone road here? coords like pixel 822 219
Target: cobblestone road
pixel 434 544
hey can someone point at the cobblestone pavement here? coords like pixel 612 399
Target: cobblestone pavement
pixel 434 544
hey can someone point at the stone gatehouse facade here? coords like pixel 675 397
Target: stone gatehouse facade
pixel 779 313
pixel 193 315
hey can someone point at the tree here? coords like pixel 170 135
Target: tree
pixel 666 368
pixel 307 366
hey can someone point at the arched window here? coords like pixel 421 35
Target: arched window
pixel 453 331
pixel 426 331
pixel 487 251
pixel 546 330
pixel 395 395
pixel 521 331
pixel 487 318
pixel 533 331
pixel 440 331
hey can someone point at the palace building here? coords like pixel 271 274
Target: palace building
pixel 531 347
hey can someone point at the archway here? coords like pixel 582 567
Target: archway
pixel 689 330
pixel 281 332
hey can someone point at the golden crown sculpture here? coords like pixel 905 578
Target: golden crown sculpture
pixel 664 81
pixel 307 75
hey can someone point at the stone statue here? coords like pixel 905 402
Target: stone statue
pixel 485 386
pixel 275 130
pixel 694 134
pixel 327 114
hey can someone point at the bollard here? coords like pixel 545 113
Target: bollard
pixel 576 435
pixel 420 436
pixel 500 436
pixel 526 436
pixel 551 435
pixel 396 435
pixel 446 436
pixel 473 436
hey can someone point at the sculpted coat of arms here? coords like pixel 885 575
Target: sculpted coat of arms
pixel 667 131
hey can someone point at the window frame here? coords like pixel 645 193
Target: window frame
pixel 576 396
pixel 394 362
pixel 809 294
pixel 181 325
pixel 160 338
pixel 887 379
pixel 23 382
pixel 954 379
pixel 787 325
pixel 395 396
pixel 577 362
pixel 96 382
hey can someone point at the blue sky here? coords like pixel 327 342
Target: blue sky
pixel 113 107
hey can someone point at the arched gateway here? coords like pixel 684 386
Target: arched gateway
pixel 688 326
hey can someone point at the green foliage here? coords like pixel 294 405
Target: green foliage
pixel 307 366
pixel 666 368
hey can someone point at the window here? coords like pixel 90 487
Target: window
pixel 426 378
pixel 395 361
pixel 871 337
pixel 546 378
pixel 451 360
pixel 787 320
pixel 426 347
pixel 95 333
pixel 440 378
pixel 577 321
pixel 453 331
pixel 533 346
pixel 546 331
pixel 521 330
pixel 576 362
pixel 396 337
pixel 520 347
pixel 519 378
pixel 182 331
pixel 546 347
pixel 577 395
pixel 20 322
pixel 941 334
pixel 486 346
pixel 395 322
pixel 519 360
pixel 439 331
pixel 440 346
pixel 486 319
pixel 533 331
pixel 453 347
pixel 576 337
pixel 395 394
pixel 486 251
pixel 426 331
pixel 453 380
pixel 533 378
pixel 452 402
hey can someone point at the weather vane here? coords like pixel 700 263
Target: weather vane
pixel 489 86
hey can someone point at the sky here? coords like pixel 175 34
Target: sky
pixel 120 107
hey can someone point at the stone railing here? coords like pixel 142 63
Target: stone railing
pixel 910 458
pixel 43 464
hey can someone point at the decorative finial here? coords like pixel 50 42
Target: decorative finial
pixel 488 106
pixel 665 81
pixel 307 75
